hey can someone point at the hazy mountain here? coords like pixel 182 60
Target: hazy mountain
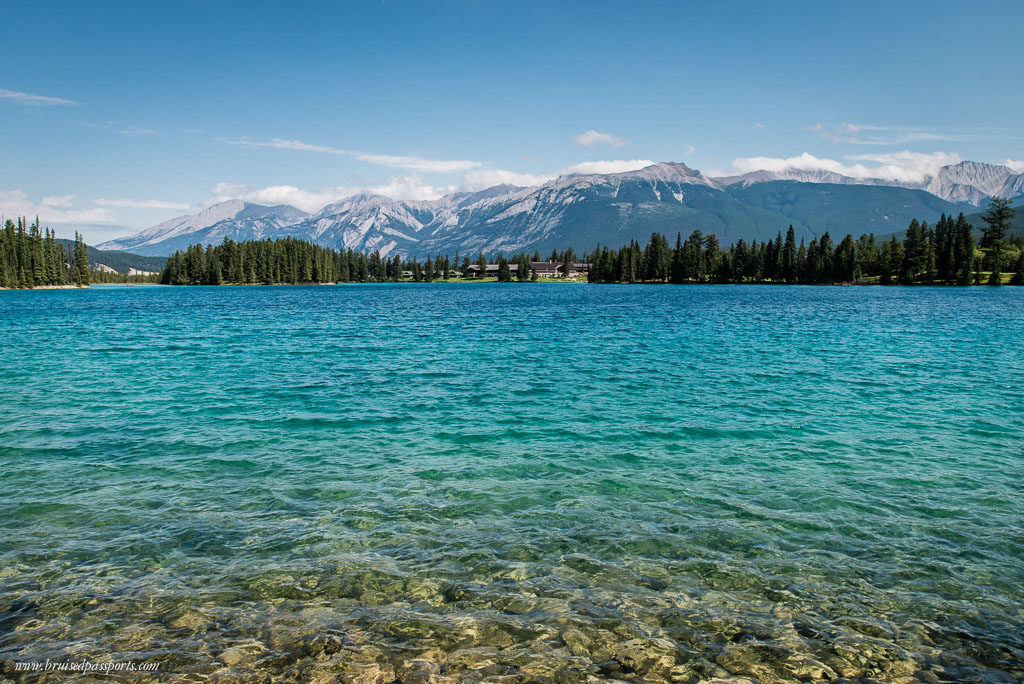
pixel 968 181
pixel 121 262
pixel 844 208
pixel 800 175
pixel 585 210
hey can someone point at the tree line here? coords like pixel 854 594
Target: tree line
pixel 30 256
pixel 943 254
pixel 294 261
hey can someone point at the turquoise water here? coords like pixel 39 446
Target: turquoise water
pixel 518 483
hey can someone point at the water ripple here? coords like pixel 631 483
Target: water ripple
pixel 515 482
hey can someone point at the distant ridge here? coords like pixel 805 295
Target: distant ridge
pixel 119 261
pixel 585 210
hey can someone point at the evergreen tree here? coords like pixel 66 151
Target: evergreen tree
pixel 963 251
pixel 789 257
pixel 944 248
pixel 845 265
pixel 81 262
pixel 504 272
pixel 213 269
pixel 997 218
pixel 1018 276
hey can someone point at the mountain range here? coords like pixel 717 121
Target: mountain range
pixel 585 210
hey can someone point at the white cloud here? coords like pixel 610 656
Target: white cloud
pixel 231 190
pixel 906 165
pixel 689 151
pixel 1017 166
pixel 899 166
pixel 609 166
pixel 141 204
pixel 592 137
pixel 410 188
pixel 14 203
pixel 488 178
pixel 282 194
pixel 62 201
pixel 31 100
pixel 759 125
pixel 398 161
pixel 399 188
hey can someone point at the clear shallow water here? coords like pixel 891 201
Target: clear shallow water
pixel 516 482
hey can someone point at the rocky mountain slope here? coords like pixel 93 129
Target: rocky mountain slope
pixel 585 210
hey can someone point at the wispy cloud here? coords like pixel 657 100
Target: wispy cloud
pixel 135 131
pixel 905 166
pixel 592 137
pixel 141 204
pixel 398 161
pixel 1017 166
pixel 863 134
pixel 124 128
pixel 31 100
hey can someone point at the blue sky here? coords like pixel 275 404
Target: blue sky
pixel 115 116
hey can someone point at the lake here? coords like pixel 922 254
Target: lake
pixel 516 482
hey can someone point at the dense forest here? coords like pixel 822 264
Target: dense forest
pixel 943 254
pixel 33 257
pixel 293 261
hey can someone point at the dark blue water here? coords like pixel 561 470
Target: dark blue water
pixel 523 482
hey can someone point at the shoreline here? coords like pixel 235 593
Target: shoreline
pixel 551 281
pixel 584 282
pixel 46 287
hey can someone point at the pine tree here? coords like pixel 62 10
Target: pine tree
pixel 998 217
pixel 81 262
pixel 504 272
pixel 963 251
pixel 789 260
pixel 1018 276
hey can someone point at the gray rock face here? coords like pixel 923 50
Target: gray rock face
pixel 973 182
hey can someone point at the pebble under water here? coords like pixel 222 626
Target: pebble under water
pixel 516 483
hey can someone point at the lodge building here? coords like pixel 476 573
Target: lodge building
pixel 544 269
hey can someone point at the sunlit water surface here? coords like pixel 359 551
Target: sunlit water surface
pixel 524 482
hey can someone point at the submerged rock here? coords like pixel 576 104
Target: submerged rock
pixel 243 654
